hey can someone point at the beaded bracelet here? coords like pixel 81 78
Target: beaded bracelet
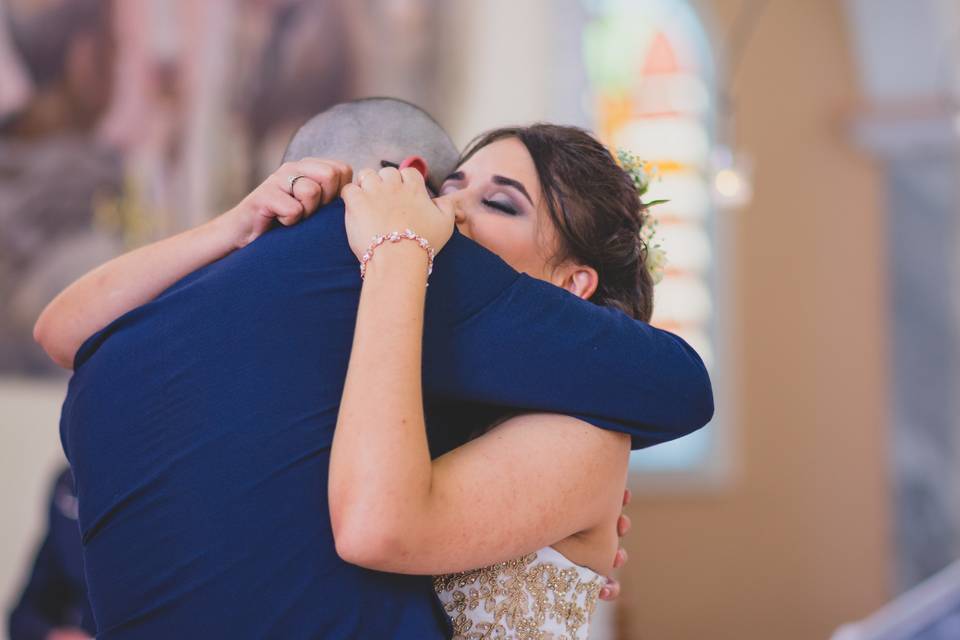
pixel 396 236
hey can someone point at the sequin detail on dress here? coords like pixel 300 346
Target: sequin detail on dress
pixel 541 596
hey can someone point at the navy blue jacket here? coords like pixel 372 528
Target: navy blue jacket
pixel 199 425
pixel 55 594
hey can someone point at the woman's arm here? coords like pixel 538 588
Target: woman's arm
pixel 530 482
pixel 135 278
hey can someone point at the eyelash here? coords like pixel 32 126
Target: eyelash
pixel 491 204
pixel 499 206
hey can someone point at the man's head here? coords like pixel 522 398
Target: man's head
pixel 373 133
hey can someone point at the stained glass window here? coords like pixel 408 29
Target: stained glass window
pixel 651 91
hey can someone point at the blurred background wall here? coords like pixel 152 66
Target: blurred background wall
pixel 799 539
pixel 821 286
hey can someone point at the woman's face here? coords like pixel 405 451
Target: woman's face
pixel 496 200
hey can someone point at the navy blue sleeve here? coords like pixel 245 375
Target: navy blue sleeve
pixel 51 597
pixel 527 344
pixel 38 608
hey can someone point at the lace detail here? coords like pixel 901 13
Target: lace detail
pixel 541 596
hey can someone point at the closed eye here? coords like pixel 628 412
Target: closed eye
pixel 500 206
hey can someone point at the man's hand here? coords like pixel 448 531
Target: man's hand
pixel 288 195
pixel 611 590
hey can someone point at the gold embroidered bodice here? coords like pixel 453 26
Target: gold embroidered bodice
pixel 541 596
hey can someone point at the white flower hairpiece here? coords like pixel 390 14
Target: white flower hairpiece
pixel 656 257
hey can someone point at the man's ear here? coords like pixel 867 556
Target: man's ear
pixel 580 280
pixel 417 163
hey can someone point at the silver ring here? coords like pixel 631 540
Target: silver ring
pixel 292 180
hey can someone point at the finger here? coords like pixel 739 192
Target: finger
pixel 287 209
pixel 623 525
pixel 344 170
pixel 281 177
pixel 321 172
pixel 310 193
pixel 626 497
pixel 411 175
pixel 333 182
pixel 416 162
pixel 286 176
pixel 279 203
pixel 350 190
pixel 366 176
pixel 339 167
pixel 390 175
pixel 349 193
pixel 329 174
pixel 344 173
pixel 313 168
pixel 611 590
pixel 620 558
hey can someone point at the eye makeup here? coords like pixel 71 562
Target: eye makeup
pixel 502 207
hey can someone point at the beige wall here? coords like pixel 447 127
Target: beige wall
pixel 800 540
pixel 495 67
pixel 30 456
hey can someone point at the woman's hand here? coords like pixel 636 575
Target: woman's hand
pixel 391 200
pixel 319 183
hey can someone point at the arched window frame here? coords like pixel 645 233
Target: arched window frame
pixel 708 461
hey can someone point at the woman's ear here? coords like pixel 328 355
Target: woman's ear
pixel 579 280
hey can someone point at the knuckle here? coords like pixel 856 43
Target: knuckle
pixel 412 175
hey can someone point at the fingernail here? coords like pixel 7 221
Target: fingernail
pixel 604 593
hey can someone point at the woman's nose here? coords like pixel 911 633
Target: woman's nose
pixel 451 204
pixel 459 214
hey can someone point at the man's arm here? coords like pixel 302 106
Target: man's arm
pixel 498 337
pixel 133 279
pixel 39 604
pixel 50 598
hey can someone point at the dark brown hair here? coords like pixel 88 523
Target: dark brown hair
pixel 594 207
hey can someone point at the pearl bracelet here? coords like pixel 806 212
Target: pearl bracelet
pixel 396 236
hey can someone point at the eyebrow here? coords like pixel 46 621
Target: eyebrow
pixel 510 182
pixel 501 180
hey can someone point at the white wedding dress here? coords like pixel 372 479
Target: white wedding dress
pixel 541 596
